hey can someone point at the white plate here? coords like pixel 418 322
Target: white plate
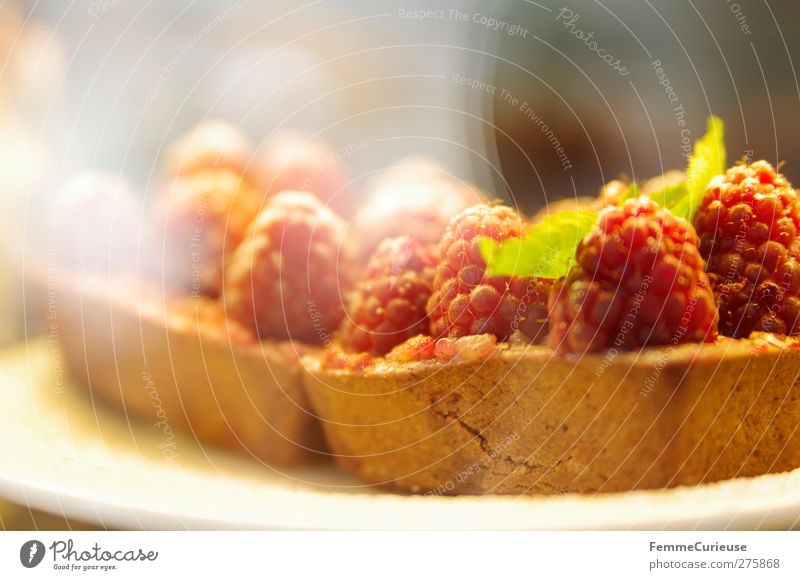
pixel 61 453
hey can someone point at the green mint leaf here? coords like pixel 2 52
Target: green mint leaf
pixel 708 157
pixel 683 208
pixel 547 251
pixel 707 161
pixel 672 195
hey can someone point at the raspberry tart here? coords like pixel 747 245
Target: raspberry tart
pixel 238 271
pixel 205 337
pixel 618 369
pixel 442 344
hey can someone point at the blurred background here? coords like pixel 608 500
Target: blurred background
pixel 107 84
pixel 532 101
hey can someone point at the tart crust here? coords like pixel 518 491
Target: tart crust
pixel 528 421
pixel 208 381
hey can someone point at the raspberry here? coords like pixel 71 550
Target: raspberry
pixel 388 304
pixel 287 277
pixel 638 281
pixel 203 218
pixel 294 161
pixel 466 300
pixel 211 144
pixel 415 198
pixel 748 223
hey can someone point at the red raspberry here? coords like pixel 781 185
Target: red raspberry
pixel 748 224
pixel 638 281
pixel 465 300
pixel 203 218
pixel 416 198
pixel 388 304
pixel 292 160
pixel 287 278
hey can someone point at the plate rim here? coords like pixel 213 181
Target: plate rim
pixel 722 505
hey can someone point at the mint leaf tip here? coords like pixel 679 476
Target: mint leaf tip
pixel 547 251
pixel 706 162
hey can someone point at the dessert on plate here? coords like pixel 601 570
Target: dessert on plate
pixel 645 339
pixel 435 342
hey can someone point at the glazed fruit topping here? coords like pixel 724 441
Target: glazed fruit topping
pixel 287 278
pixel 638 281
pixel 468 300
pixel 388 303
